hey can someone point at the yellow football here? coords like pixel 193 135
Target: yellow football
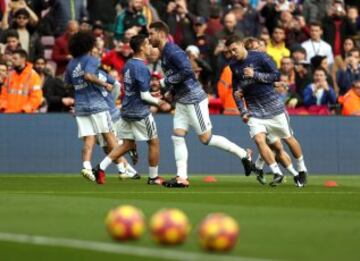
pixel 218 232
pixel 169 227
pixel 125 223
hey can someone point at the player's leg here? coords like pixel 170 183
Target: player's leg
pixel 86 132
pixel 296 150
pixel 283 157
pixel 200 121
pixel 181 125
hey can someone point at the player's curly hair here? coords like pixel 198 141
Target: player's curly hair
pixel 81 43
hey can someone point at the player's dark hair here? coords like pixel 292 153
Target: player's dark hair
pixel 21 52
pixel 12 34
pixel 136 42
pixel 233 39
pixel 81 43
pixel 160 26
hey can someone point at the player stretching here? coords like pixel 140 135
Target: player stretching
pixel 191 105
pixel 137 123
pixel 254 74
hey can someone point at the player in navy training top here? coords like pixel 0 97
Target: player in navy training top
pixel 137 123
pixel 254 74
pixel 191 105
pixel 91 110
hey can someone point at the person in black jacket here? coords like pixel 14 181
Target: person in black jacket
pixel 58 98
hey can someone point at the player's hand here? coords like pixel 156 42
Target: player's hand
pixel 68 101
pixel 292 103
pixel 108 87
pixel 168 97
pixel 248 72
pixel 245 118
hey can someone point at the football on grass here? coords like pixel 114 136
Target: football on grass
pixel 218 232
pixel 125 223
pixel 169 227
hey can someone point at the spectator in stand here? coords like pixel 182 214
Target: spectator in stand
pixel 85 24
pixel 270 14
pixel 204 42
pixel 28 36
pixel 276 47
pixel 117 57
pixel 351 100
pixel 353 15
pixel 154 62
pixel 107 14
pixel 64 11
pixel 61 53
pixel 12 44
pixel 322 61
pixel 290 98
pixel 298 54
pixel 303 76
pixel 180 22
pixel 3 73
pixel 156 92
pixel 11 8
pixel 337 26
pixel 58 98
pixel 132 16
pixel 199 7
pixel 346 77
pixel 250 22
pixel 319 95
pixel 21 92
pixel 214 24
pixel 316 46
pixel 229 27
pixel 225 92
pixel 287 68
pixel 296 30
pixel 339 60
pixel 315 10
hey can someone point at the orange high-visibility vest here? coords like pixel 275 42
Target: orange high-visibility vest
pixel 225 92
pixel 21 92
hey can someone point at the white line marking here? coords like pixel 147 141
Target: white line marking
pixel 178 192
pixel 117 248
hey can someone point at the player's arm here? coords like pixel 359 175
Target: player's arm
pixel 143 79
pixel 90 74
pixel 270 73
pixel 237 94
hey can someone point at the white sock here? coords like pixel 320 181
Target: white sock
pixel 301 164
pixel 259 163
pixel 275 169
pixel 87 165
pixel 130 170
pixel 105 163
pixel 224 144
pixel 153 172
pixel 181 156
pixel 121 167
pixel 291 170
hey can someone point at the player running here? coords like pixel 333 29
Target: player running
pixel 191 106
pixel 137 123
pixel 254 74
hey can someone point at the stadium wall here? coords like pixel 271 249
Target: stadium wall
pixel 48 143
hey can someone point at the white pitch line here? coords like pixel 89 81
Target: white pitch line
pixel 117 248
pixel 178 192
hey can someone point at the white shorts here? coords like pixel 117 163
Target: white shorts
pixel 94 124
pixel 142 130
pixel 275 128
pixel 195 115
pixel 100 139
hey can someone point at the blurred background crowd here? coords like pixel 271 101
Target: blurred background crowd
pixel 314 43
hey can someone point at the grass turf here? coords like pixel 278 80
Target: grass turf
pixel 313 223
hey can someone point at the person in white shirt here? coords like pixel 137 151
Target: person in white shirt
pixel 316 46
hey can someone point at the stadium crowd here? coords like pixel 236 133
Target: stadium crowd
pixel 314 43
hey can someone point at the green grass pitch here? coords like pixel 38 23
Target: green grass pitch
pixel 282 223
